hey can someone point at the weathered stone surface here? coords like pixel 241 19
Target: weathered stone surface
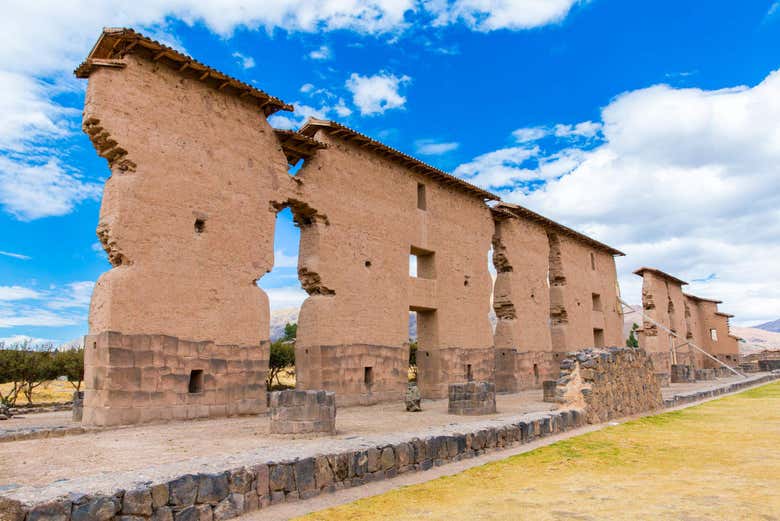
pixel 137 502
pixel 50 511
pixel 472 398
pixel 304 475
pixel 621 382
pixel 160 494
pixel 303 412
pixel 183 491
pixel 162 514
pixel 213 488
pixel 11 510
pixel 95 509
pixel 261 480
pixel 231 506
pixel 412 398
pixel 281 478
pixel 323 473
pixel 241 480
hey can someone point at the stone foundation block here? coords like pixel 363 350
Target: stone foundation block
pixel 548 388
pixel 472 398
pixel 682 374
pixel 303 412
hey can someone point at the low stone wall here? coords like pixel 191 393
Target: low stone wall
pixel 682 373
pixel 301 412
pixel 695 396
pixel 520 371
pixel 705 374
pixel 228 494
pixel 472 398
pixel 609 383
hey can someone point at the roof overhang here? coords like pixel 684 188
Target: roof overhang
pixel 115 43
pixel 506 210
pixel 661 274
pixel 413 164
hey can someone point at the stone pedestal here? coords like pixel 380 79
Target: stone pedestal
pixel 682 374
pixel 78 405
pixel 303 412
pixel 548 387
pixel 472 398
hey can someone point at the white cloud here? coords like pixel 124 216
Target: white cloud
pixel 585 129
pixel 75 295
pixel 8 293
pixel 490 15
pixel 15 255
pixel 430 147
pixel 528 134
pixel 323 53
pixel 34 190
pixel 773 9
pixel 306 87
pixel 683 179
pixel 286 297
pixel 247 62
pixel 378 93
pixel 282 260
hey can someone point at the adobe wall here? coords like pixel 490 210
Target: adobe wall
pixel 544 299
pixel 583 279
pixel 186 223
pixel 362 257
pixel 662 301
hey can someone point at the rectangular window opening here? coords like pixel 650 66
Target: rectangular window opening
pixel 421 197
pixel 196 381
pixel 421 263
pixel 469 374
pixel 714 334
pixel 596 302
pixel 598 337
pixel 592 261
pixel 368 376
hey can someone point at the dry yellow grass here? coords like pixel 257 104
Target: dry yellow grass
pixel 47 392
pixel 719 460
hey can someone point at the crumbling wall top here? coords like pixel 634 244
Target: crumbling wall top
pixel 312 125
pixel 661 274
pixel 115 43
pixel 505 210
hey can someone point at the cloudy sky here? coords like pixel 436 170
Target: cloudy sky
pixel 653 126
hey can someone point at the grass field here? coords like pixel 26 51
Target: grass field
pixel 47 392
pixel 719 460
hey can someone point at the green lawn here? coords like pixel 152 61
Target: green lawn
pixel 719 460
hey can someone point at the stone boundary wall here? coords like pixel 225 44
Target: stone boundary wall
pixel 696 396
pixel 228 494
pixel 609 383
pixel 231 493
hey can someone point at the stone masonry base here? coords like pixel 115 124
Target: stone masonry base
pixel 300 412
pixel 233 492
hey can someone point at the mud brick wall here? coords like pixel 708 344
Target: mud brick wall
pixel 143 378
pixel 609 383
pixel 299 412
pixel 472 398
pixel 520 371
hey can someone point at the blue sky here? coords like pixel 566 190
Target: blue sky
pixel 653 126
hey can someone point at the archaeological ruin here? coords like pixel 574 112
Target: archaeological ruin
pixel 179 328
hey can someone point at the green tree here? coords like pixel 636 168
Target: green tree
pixel 632 341
pixel 70 363
pixel 290 331
pixel 282 357
pixel 10 373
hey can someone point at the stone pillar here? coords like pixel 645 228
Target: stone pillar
pixel 472 398
pixel 78 405
pixel 303 412
pixel 549 387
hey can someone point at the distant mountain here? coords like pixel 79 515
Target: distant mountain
pixel 280 318
pixel 773 326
